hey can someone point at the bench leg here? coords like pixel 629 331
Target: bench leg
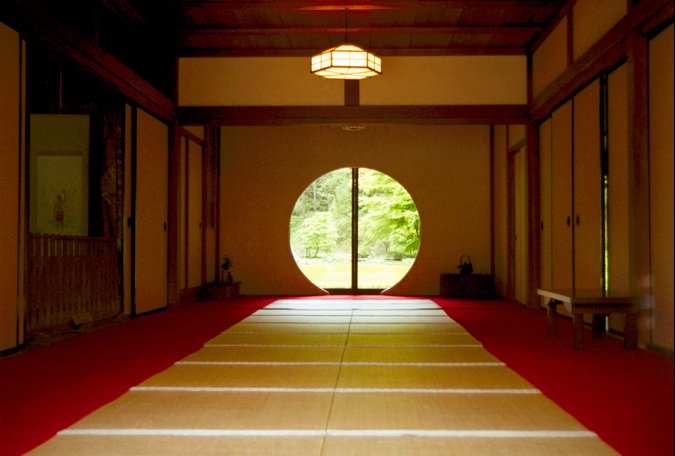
pixel 599 325
pixel 552 318
pixel 578 323
pixel 630 331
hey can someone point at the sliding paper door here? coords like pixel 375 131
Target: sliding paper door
pixel 661 184
pixel 194 214
pixel 151 213
pixel 588 210
pixel 545 203
pixel 619 197
pixel 521 281
pixel 561 198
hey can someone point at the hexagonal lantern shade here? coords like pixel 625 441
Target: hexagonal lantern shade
pixel 346 62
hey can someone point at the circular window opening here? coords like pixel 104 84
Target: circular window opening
pixel 355 229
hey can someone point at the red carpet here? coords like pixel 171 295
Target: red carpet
pixel 46 390
pixel 624 396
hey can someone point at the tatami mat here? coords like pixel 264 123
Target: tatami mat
pixel 313 319
pixel 392 319
pixel 267 353
pixel 334 377
pixel 277 328
pixel 463 445
pixel 397 376
pixel 405 328
pixel 350 304
pixel 268 338
pixel 409 339
pixel 248 375
pixel 418 354
pixel 212 410
pixel 172 445
pixel 485 411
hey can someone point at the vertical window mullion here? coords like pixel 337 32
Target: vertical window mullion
pixel 604 179
pixel 355 229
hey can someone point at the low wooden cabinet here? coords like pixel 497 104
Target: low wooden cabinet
pixel 222 290
pixel 468 286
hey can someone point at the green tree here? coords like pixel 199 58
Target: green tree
pixel 387 215
pixel 317 233
pixel 329 193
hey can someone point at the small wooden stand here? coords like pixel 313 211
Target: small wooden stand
pixel 222 290
pixel 593 302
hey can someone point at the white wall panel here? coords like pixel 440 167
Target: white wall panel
pixel 592 19
pixel 550 59
pixel 254 81
pixel 451 80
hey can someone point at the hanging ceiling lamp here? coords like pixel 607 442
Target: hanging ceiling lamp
pixel 346 61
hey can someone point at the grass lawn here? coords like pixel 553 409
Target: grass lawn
pixel 372 274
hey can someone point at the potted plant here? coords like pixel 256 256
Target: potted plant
pixel 226 287
pixel 225 266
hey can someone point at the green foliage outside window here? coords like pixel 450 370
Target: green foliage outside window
pixel 389 224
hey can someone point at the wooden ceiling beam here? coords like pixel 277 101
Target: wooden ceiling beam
pixel 125 11
pixel 468 30
pixel 220 51
pixel 339 115
pixel 364 4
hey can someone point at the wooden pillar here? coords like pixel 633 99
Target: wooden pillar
pixel 638 179
pixel 173 294
pixel 534 218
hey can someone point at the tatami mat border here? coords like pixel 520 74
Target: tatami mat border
pixel 472 433
pixel 229 389
pixel 349 345
pixel 342 363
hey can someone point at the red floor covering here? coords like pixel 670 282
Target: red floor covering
pixel 626 397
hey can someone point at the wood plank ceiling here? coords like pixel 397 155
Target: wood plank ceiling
pixel 133 44
pixel 387 27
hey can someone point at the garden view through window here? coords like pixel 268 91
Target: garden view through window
pixel 355 229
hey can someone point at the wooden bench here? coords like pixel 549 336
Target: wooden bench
pixel 580 302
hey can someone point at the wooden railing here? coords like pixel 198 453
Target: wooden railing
pixel 70 279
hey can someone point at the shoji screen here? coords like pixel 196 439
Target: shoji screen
pixel 561 197
pixel 661 184
pixel 619 197
pixel 152 183
pixel 521 279
pixel 194 214
pixel 501 203
pixel 587 190
pixel 182 208
pixel 545 202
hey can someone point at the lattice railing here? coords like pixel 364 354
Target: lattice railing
pixel 70 279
